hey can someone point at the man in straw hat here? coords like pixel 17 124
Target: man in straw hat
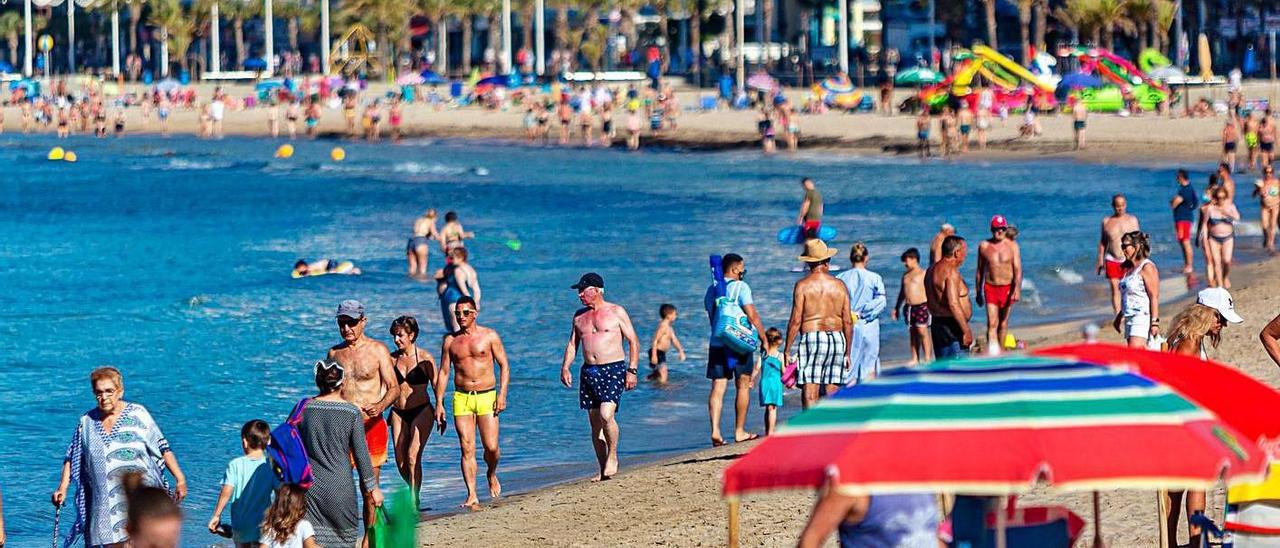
pixel 820 326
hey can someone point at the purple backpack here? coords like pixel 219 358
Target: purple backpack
pixel 287 453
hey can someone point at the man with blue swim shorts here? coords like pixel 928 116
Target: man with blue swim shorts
pixel 601 327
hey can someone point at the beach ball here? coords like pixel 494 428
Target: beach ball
pixel 337 154
pixel 285 151
pixel 69 157
pixel 56 153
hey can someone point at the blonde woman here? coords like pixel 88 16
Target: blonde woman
pixel 1193 330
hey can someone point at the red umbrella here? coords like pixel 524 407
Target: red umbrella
pixel 1237 399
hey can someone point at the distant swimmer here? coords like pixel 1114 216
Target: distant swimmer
pixel 321 267
pixel 810 217
pixel 998 281
pixel 419 247
pixel 1110 254
pixel 452 235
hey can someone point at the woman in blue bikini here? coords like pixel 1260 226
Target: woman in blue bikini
pixel 1218 225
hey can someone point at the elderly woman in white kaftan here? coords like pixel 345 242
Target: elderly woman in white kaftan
pixel 112 440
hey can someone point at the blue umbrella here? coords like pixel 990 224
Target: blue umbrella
pixel 494 81
pixel 6 67
pixel 431 77
pixel 255 64
pixel 1080 80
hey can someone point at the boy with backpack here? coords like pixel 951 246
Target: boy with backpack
pixel 247 486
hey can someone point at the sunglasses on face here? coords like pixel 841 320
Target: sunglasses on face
pixel 464 312
pixel 348 322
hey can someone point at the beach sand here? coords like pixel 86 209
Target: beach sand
pixel 677 502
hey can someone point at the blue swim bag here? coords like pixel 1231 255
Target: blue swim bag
pixel 733 328
pixel 287 453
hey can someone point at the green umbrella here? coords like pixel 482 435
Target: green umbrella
pixel 918 76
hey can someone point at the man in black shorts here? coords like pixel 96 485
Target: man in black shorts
pixel 723 363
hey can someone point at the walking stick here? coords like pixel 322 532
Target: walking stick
pixel 57 514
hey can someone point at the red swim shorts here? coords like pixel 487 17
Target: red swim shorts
pixel 1183 228
pixel 811 228
pixel 375 434
pixel 1115 269
pixel 997 295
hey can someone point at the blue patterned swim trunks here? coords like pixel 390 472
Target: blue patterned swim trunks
pixel 600 383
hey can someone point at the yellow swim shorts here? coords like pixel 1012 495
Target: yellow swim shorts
pixel 474 403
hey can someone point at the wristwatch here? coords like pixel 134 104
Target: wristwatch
pixel 633 371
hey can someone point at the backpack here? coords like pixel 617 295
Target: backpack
pixel 287 453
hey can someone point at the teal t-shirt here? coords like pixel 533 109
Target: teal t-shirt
pixel 252 482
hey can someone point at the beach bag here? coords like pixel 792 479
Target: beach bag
pixel 790 374
pixel 379 533
pixel 733 328
pixel 287 453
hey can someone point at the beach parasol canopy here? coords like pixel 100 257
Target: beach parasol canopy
pixel 256 63
pixel 432 77
pixel 493 81
pixel 999 426
pixel 1079 80
pixel 839 83
pixel 167 85
pixel 918 76
pixel 409 79
pixel 761 81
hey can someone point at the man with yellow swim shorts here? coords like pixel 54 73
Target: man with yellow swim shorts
pixel 478 395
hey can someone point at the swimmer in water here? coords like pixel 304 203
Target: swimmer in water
pixel 418 250
pixel 303 269
pixel 452 234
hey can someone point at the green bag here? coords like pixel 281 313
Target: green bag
pixel 396 529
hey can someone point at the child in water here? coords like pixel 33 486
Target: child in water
pixel 771 379
pixel 663 339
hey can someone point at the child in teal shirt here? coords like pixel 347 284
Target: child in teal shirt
pixel 247 485
pixel 771 379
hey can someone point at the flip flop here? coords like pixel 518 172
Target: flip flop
pixel 753 436
pixel 718 443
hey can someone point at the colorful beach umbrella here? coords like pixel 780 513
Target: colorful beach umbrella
pixel 432 77
pixel 761 81
pixel 999 426
pixel 409 79
pixel 839 83
pixel 502 81
pixel 918 76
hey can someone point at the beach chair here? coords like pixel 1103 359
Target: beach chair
pixel 1025 527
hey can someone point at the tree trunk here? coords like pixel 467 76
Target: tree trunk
pixel 1108 38
pixel 526 27
pixel 495 40
pixel 1024 29
pixel 767 31
pixel 238 25
pixel 1040 10
pixel 562 25
pixel 990 6
pixel 466 43
pixel 664 27
pixel 440 24
pixel 292 30
pixel 135 13
pixel 695 42
pixel 13 50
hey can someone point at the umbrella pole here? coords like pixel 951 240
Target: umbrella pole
pixel 1162 504
pixel 733 524
pixel 1097 520
pixel 1001 515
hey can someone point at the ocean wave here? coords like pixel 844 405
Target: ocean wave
pixel 417 168
pixel 183 164
pixel 1068 276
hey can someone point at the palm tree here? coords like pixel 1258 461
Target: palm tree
pixel 1167 11
pixel 1041 12
pixel 237 11
pixel 438 12
pixel 562 23
pixel 468 24
pixel 694 9
pixel 11 26
pixel 591 44
pixel 177 28
pixel 295 13
pixel 1143 14
pixel 1077 15
pixel 1111 18
pixel 1024 27
pixel 990 6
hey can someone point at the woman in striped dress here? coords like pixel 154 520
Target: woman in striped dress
pixel 333 433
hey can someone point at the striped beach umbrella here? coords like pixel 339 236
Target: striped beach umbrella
pixel 999 426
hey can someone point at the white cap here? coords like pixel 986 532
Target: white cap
pixel 1219 299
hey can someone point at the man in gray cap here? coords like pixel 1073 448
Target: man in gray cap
pixel 601 327
pixel 370 382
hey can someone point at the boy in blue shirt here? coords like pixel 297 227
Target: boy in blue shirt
pixel 247 485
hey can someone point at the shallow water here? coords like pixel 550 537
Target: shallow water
pixel 170 259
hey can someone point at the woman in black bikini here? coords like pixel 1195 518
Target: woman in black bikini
pixel 410 416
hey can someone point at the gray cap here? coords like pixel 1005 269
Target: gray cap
pixel 351 308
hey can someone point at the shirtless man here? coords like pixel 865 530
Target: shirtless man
pixel 1230 139
pixel 1227 181
pixel 601 327
pixel 935 247
pixel 1251 141
pixel 371 383
pixel 478 396
pixel 948 299
pixel 914 308
pixel 1267 138
pixel 999 281
pixel 810 217
pixel 922 133
pixel 966 125
pixel 1079 119
pixel 821 325
pixel 1110 256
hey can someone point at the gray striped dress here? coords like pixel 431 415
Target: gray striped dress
pixel 331 431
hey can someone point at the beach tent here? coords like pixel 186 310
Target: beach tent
pixel 995 427
pixel 918 76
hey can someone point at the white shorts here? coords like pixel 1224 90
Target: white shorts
pixel 1137 326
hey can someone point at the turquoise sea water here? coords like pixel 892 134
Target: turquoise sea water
pixel 170 258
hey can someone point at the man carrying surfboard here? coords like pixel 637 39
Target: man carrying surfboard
pixel 810 218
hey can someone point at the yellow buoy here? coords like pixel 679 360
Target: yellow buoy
pixel 337 154
pixel 285 151
pixel 69 156
pixel 56 153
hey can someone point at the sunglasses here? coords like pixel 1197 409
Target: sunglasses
pixel 347 321
pixel 464 312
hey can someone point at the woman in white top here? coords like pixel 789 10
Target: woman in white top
pixel 1139 317
pixel 283 526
